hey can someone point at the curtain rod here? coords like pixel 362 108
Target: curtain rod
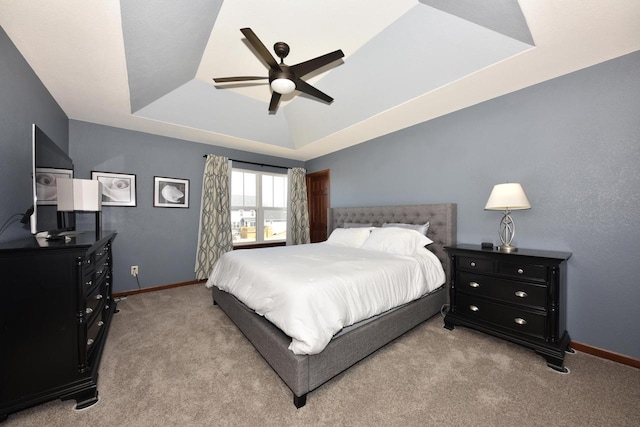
pixel 257 164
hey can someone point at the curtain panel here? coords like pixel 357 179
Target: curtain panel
pixel 214 235
pixel 298 211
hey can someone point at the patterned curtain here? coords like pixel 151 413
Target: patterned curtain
pixel 298 212
pixel 214 236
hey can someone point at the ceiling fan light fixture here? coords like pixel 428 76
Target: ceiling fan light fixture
pixel 284 79
pixel 283 86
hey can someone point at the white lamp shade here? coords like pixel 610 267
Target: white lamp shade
pixel 79 195
pixel 283 86
pixel 507 197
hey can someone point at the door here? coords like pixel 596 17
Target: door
pixel 318 199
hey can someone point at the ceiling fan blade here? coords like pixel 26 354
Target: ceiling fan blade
pixel 305 87
pixel 275 99
pixel 313 64
pixel 238 79
pixel 260 48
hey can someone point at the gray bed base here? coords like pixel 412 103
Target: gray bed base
pixel 304 373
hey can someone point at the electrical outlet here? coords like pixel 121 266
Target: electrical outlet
pixel 134 270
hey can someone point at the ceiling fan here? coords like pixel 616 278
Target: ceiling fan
pixel 283 78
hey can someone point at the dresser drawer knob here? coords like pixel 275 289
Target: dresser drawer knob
pixel 89 341
pixel 89 310
pixel 89 282
pixel 521 294
pixel 100 323
pixel 520 321
pixel 520 271
pixel 473 264
pixel 474 284
pixel 473 308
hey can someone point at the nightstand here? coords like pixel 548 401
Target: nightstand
pixel 519 296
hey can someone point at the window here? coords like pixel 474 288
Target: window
pixel 258 206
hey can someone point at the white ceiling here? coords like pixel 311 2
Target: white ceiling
pixel 148 65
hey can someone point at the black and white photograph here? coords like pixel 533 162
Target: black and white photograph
pixel 170 192
pixel 46 179
pixel 118 189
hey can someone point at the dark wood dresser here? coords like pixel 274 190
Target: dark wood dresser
pixel 519 296
pixel 55 311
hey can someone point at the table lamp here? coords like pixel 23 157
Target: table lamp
pixel 507 197
pixel 83 195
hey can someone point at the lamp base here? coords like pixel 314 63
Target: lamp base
pixel 507 249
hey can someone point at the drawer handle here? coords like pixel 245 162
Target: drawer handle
pixel 100 323
pixel 520 271
pixel 473 264
pixel 521 294
pixel 474 284
pixel 520 321
pixel 89 341
pixel 90 282
pixel 473 308
pixel 89 310
pixel 99 296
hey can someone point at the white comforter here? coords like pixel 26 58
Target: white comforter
pixel 312 291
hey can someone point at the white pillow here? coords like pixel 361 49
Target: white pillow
pixel 396 240
pixel 419 228
pixel 351 237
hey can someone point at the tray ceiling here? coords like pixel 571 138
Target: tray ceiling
pixel 148 65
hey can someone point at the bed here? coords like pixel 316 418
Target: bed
pixel 303 373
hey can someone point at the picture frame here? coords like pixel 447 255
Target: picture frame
pixel 170 192
pixel 118 189
pixel 46 190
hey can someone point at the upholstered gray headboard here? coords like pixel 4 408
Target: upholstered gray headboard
pixel 442 222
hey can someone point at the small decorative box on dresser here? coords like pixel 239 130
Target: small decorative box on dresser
pixel 518 296
pixel 55 311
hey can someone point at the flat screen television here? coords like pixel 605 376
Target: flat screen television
pixel 49 162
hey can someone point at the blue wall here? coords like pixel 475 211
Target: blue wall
pixel 161 241
pixel 23 101
pixel 573 143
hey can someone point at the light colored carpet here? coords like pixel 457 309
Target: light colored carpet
pixel 173 358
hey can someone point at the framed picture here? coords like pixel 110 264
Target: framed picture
pixel 118 189
pixel 46 190
pixel 170 192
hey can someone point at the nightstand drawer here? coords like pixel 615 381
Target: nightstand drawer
pixel 511 291
pixel 521 321
pixel 474 264
pixel 523 271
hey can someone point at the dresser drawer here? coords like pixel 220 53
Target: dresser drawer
pixel 523 271
pixel 474 264
pixel 94 301
pixel 94 329
pixel 510 291
pixel 522 321
pixel 94 275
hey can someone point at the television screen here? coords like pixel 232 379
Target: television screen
pixel 49 163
